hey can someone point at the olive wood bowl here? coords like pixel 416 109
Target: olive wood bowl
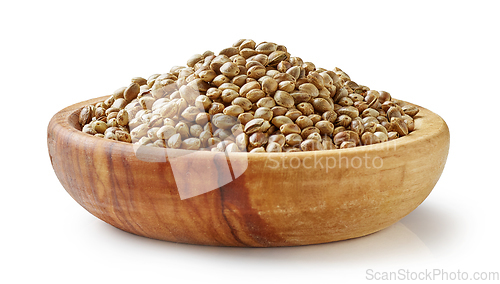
pixel 248 199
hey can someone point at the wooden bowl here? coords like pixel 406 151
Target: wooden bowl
pixel 248 199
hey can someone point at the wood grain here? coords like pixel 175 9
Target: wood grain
pixel 280 199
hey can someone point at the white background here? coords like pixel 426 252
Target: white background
pixel 443 55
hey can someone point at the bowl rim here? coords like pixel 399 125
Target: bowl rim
pixel 427 125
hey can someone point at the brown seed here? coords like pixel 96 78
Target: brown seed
pixel 279 110
pixel 203 103
pixel 283 66
pixel 139 131
pixel 304 122
pixel 122 117
pixel 392 135
pixel 410 110
pixel 255 95
pixel 218 61
pixel 327 143
pixel 315 118
pixel 224 121
pixel 266 48
pixel 410 123
pixel 370 112
pixel 371 96
pixel 190 113
pixel 325 127
pixel 357 125
pixel 119 103
pixel 341 137
pixel 170 109
pixel 244 118
pixel 194 59
pixel 281 77
pixel 337 130
pixel 239 80
pixel 289 128
pixel 345 101
pixel 152 133
pixel 220 79
pixel 286 86
pixel 369 138
pixel 99 126
pixel 256 125
pixel 393 112
pixel 256 71
pixel 86 115
pixel 370 126
pixel 213 93
pixel 199 85
pixel 384 96
pixel 123 136
pixel 300 97
pixel 258 150
pixel 276 57
pixel 233 110
pixel 278 121
pixel 264 113
pixel 293 114
pixel 191 144
pixel 182 129
pixel 309 88
pixel 308 131
pixel 267 102
pixel 278 138
pixel 251 63
pixel 118 93
pixel 87 128
pixel 305 108
pixel 347 144
pixel 230 51
pixel 249 86
pixel 244 103
pixel 247 43
pixel 248 52
pixel 311 145
pixel 147 102
pixel 228 95
pixel 174 141
pixel 257 139
pixel 241 141
pixel 283 99
pixel 189 94
pixel 400 126
pixel 315 136
pixel 308 67
pixel 350 111
pixel 381 136
pixel 293 139
pixel 330 116
pixel 321 105
pixel 165 132
pixel 386 105
pixel 269 85
pixel 294 72
pixel 229 69
pixel 131 92
pixel 316 79
pixel 273 147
